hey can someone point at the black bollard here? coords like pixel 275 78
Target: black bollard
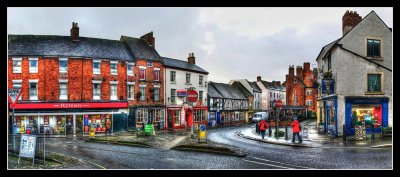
pixel 344 133
pixel 373 133
pixel 270 131
pixel 276 131
pixel 286 133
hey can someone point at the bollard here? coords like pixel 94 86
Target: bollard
pixel 276 131
pixel 373 133
pixel 344 133
pixel 270 131
pixel 286 133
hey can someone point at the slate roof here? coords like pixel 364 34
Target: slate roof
pixel 212 91
pixel 140 49
pixel 242 89
pixel 254 86
pixel 228 91
pixel 180 64
pixel 63 46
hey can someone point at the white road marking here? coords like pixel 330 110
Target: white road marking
pixel 264 164
pixel 277 162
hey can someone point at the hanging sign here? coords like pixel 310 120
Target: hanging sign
pixel 328 86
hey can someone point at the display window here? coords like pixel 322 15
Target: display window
pixel 199 115
pixel 366 115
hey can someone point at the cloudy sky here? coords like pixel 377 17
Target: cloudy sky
pixel 230 43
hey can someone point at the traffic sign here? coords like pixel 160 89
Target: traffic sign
pixel 279 104
pixel 14 94
pixel 191 95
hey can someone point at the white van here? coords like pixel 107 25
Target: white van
pixel 260 116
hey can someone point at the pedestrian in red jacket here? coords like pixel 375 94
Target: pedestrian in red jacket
pixel 263 127
pixel 296 130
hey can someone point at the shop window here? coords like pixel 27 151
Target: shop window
pixel 143 93
pixel 130 69
pixel 131 92
pixel 156 75
pixel 177 114
pixel 187 78
pixel 33 91
pixel 200 80
pixel 374 83
pixel 172 76
pixel 52 125
pixel 156 94
pixel 199 115
pixel 63 65
pixel 373 48
pixel 96 67
pixel 17 65
pixel 113 67
pixel 173 95
pixel 96 91
pixel 366 114
pixel 113 92
pixel 63 91
pixel 141 117
pixel 142 73
pixel 97 122
pixel 33 65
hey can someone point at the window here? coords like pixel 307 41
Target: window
pixel 200 80
pixel 156 74
pixel 176 116
pixel 113 92
pixel 142 73
pixel 156 115
pixel 149 63
pixel 18 84
pixel 131 92
pixel 33 65
pixel 33 90
pixel 173 95
pixel 113 66
pixel 96 66
pixel 156 94
pixel 96 91
pixel 63 65
pixel 374 83
pixel 172 76
pixel 143 91
pixel 309 102
pixel 63 91
pixel 199 115
pixel 141 116
pixel 309 92
pixel 130 69
pixel 17 63
pixel 187 78
pixel 373 48
pixel 201 95
pixel 295 98
pixel 270 94
pixel 329 62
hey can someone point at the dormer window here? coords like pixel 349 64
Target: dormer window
pixel 149 63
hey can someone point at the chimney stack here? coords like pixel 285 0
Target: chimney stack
pixel 75 32
pixel 278 83
pixel 149 39
pixel 291 70
pixel 350 20
pixel 258 78
pixel 299 72
pixel 306 66
pixel 191 59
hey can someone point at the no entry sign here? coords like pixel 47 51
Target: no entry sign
pixel 191 96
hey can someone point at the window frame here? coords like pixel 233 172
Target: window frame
pixel 381 83
pixel 172 76
pixel 33 81
pixel 64 82
pixel 149 62
pixel 18 82
pixel 157 73
pixel 130 84
pixel 142 68
pixel 31 70
pixel 95 69
pixel 96 97
pixel 114 83
pixel 131 71
pixel 158 93
pixel 14 67
pixel 114 71
pixel 200 80
pixel 380 47
pixel 143 96
pixel 59 65
pixel 173 95
pixel 188 83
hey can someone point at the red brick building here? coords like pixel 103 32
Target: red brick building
pixel 300 90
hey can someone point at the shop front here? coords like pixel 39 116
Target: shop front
pixel 61 119
pixel 140 116
pixel 330 105
pixel 366 111
pixel 232 117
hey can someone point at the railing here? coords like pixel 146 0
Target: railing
pixel 14 142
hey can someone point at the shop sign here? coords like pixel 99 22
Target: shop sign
pixel 148 128
pixel 27 146
pixel 71 105
pixel 202 133
pixel 360 132
pixel 191 96
pixel 181 93
pixel 328 86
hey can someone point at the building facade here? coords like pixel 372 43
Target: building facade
pixel 69 84
pixel 253 94
pixel 180 77
pixel 359 68
pixel 271 91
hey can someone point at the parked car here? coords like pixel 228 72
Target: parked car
pixel 260 116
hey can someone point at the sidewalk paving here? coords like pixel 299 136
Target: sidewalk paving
pixel 312 139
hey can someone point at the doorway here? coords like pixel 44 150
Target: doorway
pixel 79 125
pixel 170 118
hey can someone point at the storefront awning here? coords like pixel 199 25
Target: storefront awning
pixel 70 105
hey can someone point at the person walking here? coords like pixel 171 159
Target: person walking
pixel 296 130
pixel 263 127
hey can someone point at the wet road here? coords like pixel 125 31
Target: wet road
pixel 259 155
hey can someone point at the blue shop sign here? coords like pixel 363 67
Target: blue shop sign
pixel 328 86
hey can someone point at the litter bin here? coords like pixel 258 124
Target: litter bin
pixel 321 128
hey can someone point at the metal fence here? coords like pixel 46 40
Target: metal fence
pixel 14 142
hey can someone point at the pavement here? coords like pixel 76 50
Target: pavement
pixel 312 139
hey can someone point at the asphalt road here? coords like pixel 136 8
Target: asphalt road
pixel 259 155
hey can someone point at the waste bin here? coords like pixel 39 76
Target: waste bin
pixel 321 128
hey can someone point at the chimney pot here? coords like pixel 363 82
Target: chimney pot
pixel 350 20
pixel 74 32
pixel 191 59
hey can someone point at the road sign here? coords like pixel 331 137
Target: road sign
pixel 14 94
pixel 202 133
pixel 191 95
pixel 279 104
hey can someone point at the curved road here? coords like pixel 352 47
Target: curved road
pixel 259 155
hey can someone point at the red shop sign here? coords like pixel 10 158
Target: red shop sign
pixel 191 96
pixel 70 105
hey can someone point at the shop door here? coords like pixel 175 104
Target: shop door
pixel 119 122
pixel 218 118
pixel 79 124
pixel 170 115
pixel 69 124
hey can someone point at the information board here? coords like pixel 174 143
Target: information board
pixel 27 146
pixel 360 133
pixel 148 128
